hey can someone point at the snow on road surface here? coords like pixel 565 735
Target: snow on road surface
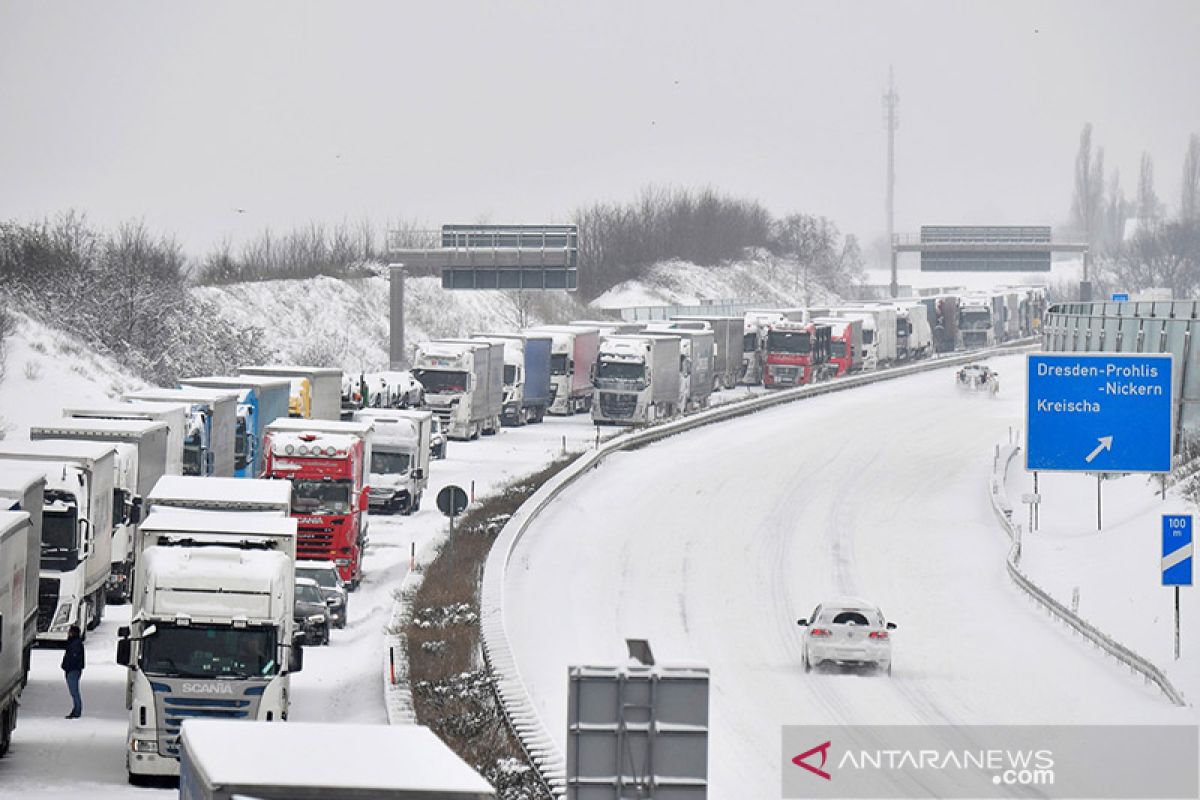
pixel 55 758
pixel 713 543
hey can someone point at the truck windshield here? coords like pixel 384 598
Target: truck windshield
pixel 239 445
pixel 191 454
pixel 510 374
pixel 975 320
pixel 200 651
pixel 389 463
pixel 60 543
pixel 438 381
pixel 620 371
pixel 320 497
pixel 788 342
pixel 558 364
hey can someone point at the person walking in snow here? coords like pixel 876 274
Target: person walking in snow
pixel 72 664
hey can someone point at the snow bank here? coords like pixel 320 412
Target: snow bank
pixel 46 369
pixel 765 280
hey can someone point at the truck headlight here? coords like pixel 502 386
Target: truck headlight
pixel 144 746
pixel 317 619
pixel 62 617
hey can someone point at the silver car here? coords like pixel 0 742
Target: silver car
pixel 847 631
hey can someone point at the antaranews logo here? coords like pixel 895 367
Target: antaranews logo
pixel 819 770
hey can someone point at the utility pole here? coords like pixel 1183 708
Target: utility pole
pixel 890 101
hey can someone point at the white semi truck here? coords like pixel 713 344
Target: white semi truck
pixel 977 321
pixel 14 545
pixel 22 488
pixel 400 455
pixel 636 379
pixel 914 336
pixel 174 415
pixel 573 350
pixel 461 388
pixel 212 631
pixel 77 528
pixel 526 375
pixel 141 459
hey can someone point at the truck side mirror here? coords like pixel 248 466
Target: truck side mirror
pixel 123 649
pixel 135 511
pixel 85 538
pixel 803 623
pixel 296 653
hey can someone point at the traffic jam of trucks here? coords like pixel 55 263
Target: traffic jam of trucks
pixel 196 505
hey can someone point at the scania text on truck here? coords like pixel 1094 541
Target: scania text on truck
pixel 845 343
pixel 316 392
pixel 400 452
pixel 327 463
pixel 727 345
pixel 695 363
pixel 526 376
pixel 221 494
pixel 458 385
pixel 141 459
pixel 14 547
pixel 573 350
pixel 212 631
pixel 261 401
pixel 22 488
pixel 636 379
pixel 174 415
pixel 211 429
pixel 796 354
pixel 77 528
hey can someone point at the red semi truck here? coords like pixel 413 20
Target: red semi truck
pixel 797 353
pixel 328 464
pixel 845 350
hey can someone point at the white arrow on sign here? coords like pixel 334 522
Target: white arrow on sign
pixel 1105 444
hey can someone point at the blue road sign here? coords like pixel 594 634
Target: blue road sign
pixel 1177 550
pixel 1098 412
pixel 1120 297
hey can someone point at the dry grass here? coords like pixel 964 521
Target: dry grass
pixel 452 692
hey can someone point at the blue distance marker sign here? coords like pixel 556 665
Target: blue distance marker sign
pixel 1098 412
pixel 1120 297
pixel 1177 550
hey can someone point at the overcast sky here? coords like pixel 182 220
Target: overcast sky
pixel 179 114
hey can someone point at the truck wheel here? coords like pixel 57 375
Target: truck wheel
pixel 416 504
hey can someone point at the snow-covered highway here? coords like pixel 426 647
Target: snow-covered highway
pixel 712 544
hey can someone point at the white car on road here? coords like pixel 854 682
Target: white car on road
pixel 847 631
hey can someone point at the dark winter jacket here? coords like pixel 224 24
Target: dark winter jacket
pixel 73 657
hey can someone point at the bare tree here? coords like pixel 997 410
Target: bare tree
pixel 1089 187
pixel 1116 212
pixel 1189 205
pixel 1149 207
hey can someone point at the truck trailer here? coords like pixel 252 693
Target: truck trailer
pixel 209 441
pixel 316 392
pixel 22 488
pixel 727 345
pixel 15 528
pixel 141 459
pixel 573 350
pixel 174 415
pixel 695 363
pixel 221 494
pixel 261 401
pixel 212 631
pixel 220 760
pixel 526 376
pixel 77 529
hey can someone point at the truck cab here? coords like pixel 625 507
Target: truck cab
pixel 400 452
